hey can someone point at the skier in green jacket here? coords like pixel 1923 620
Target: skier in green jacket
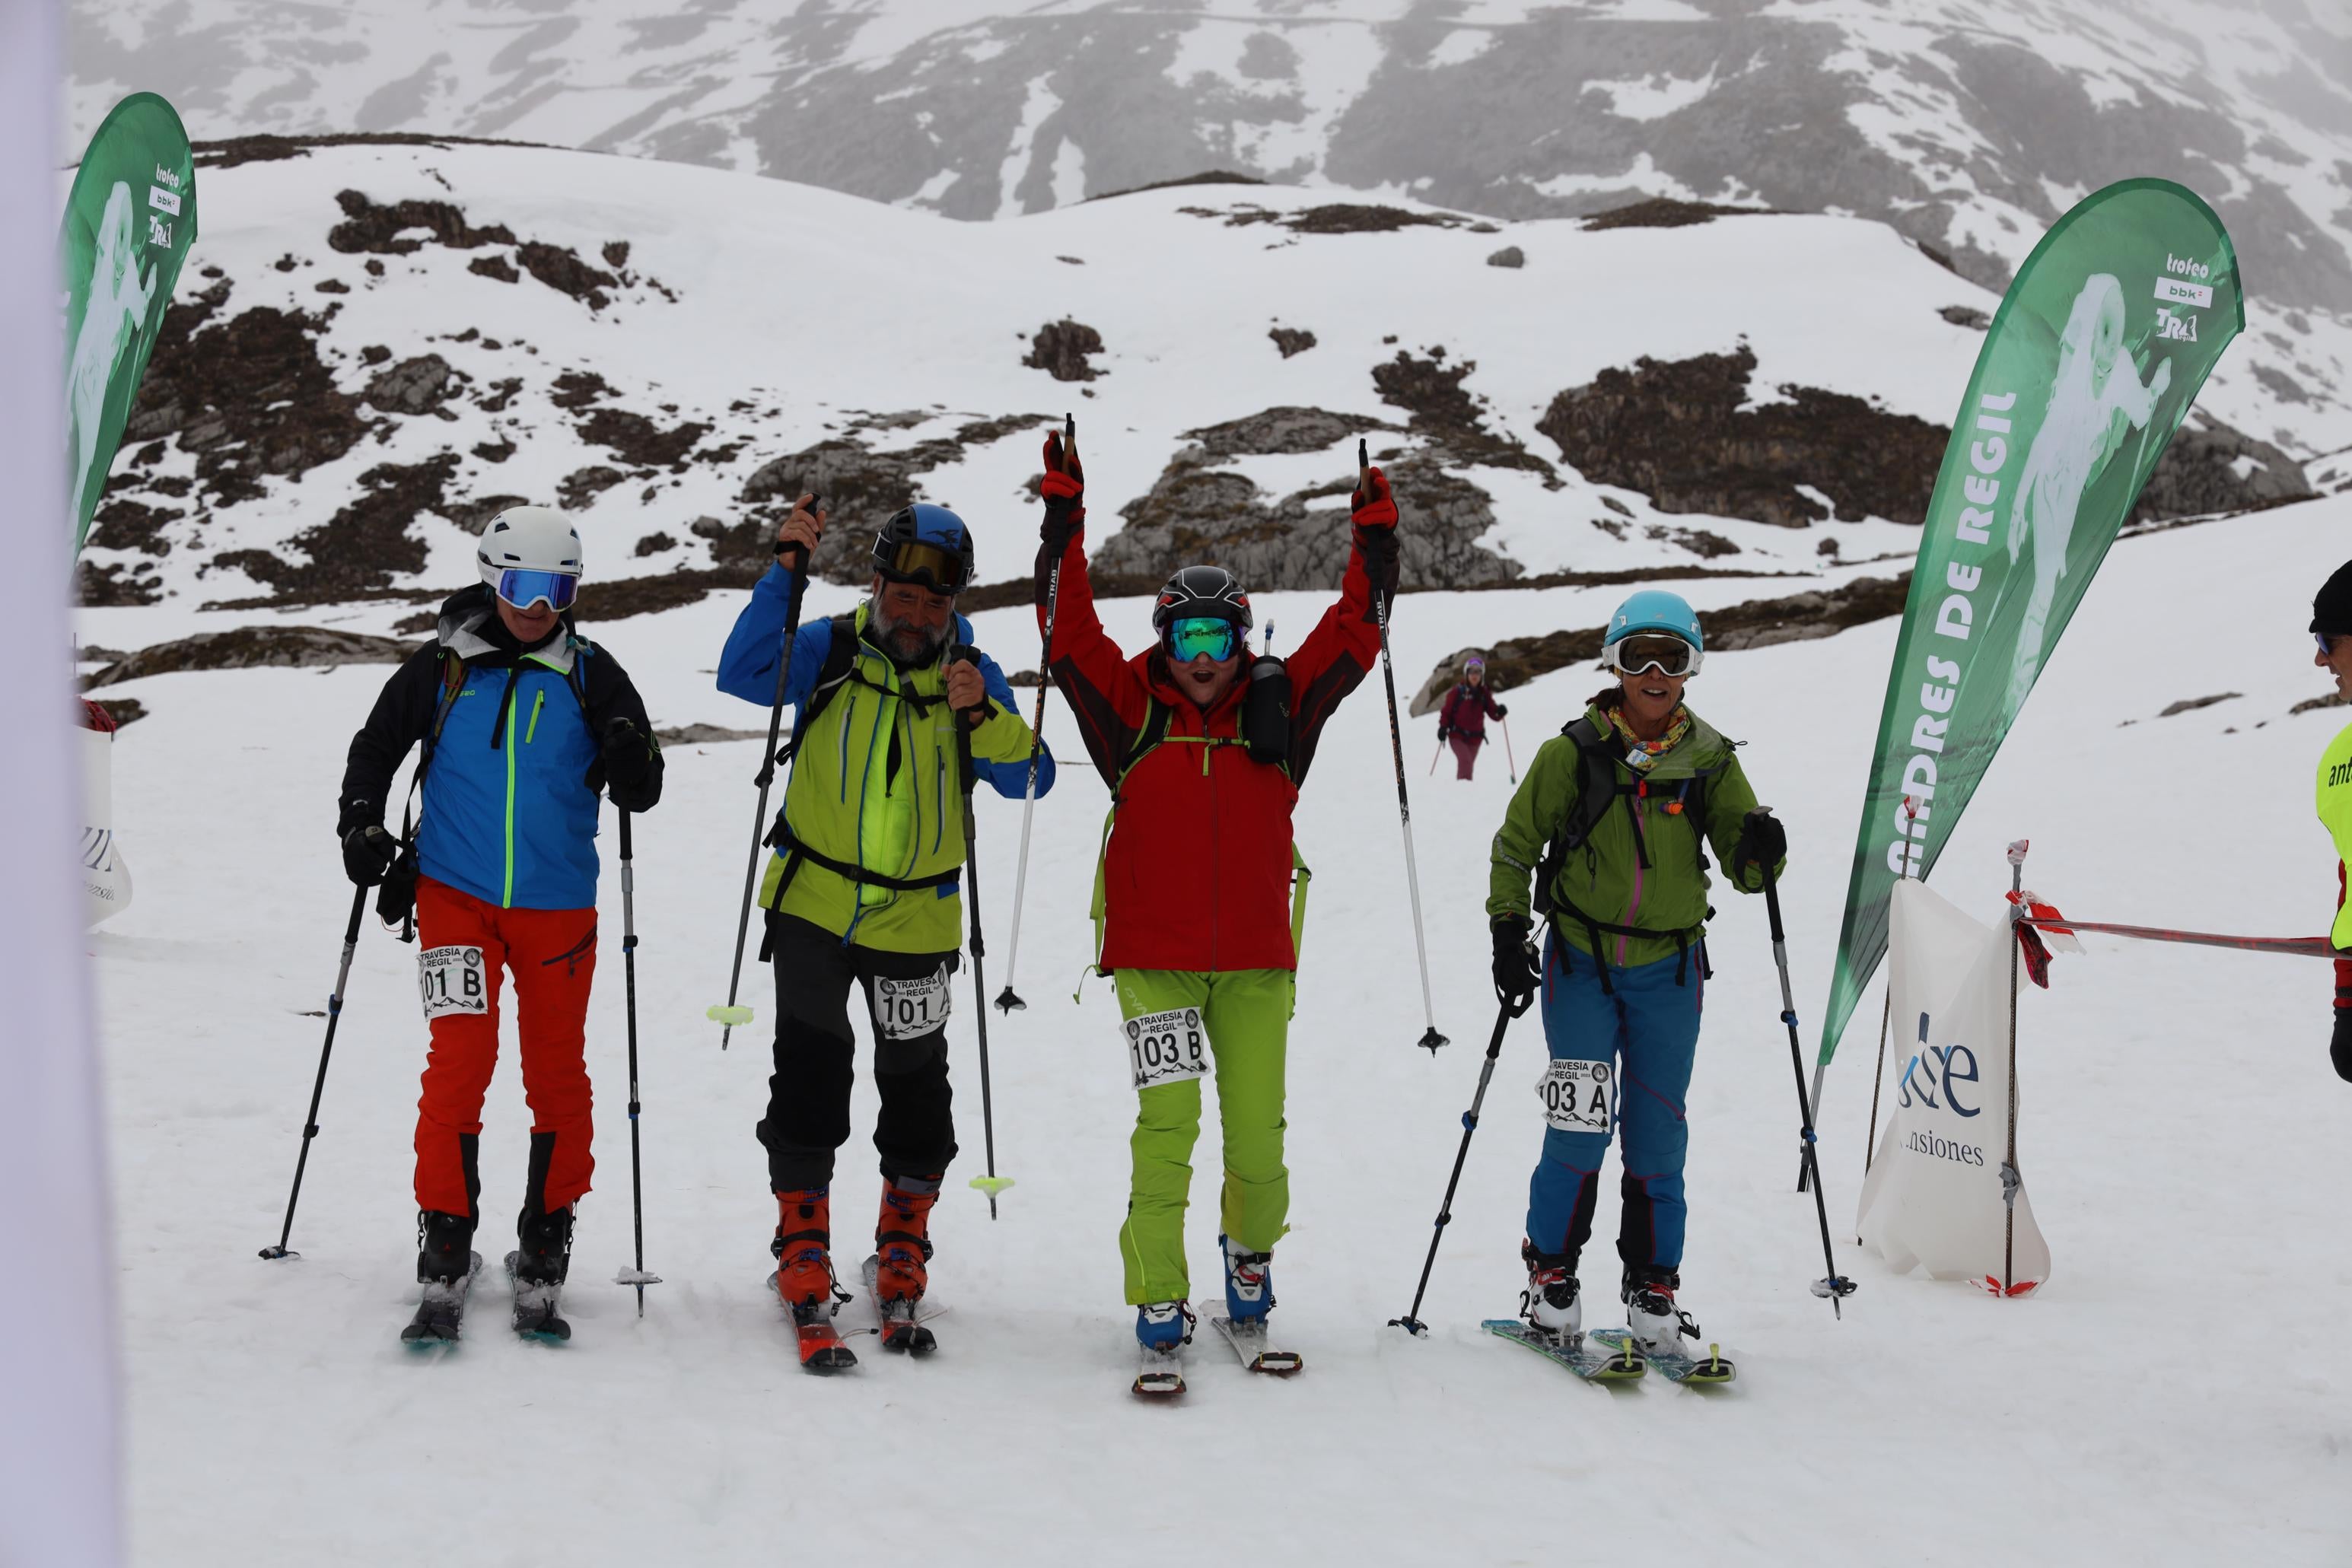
pixel 2331 624
pixel 1623 966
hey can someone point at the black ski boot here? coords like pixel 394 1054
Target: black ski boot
pixel 538 1267
pixel 446 1266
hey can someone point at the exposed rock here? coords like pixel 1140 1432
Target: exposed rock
pixel 124 710
pixel 1676 432
pixel 496 450
pixel 1207 177
pixel 705 735
pixel 1292 340
pixel 616 254
pixel 1967 316
pixel 411 386
pixel 1280 431
pixel 2210 467
pixel 1704 542
pixel 246 647
pixel 496 267
pixel 1666 212
pixel 583 485
pixel 1443 410
pixel 653 544
pixel 578 389
pixel 1060 349
pixel 1343 218
pixel 124 524
pixel 617 599
pixel 112 585
pixel 2190 704
pixel 2310 704
pixel 1510 256
pixel 331 286
pixel 561 269
pixel 638 441
pixel 363 546
pixel 384 230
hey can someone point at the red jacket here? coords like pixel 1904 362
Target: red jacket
pixel 1197 872
pixel 1467 708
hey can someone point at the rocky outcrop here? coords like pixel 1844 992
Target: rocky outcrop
pixel 1060 349
pixel 2210 468
pixel 246 647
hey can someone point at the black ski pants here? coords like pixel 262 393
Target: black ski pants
pixel 808 1096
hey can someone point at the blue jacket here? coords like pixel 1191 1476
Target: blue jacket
pixel 512 768
pixel 747 669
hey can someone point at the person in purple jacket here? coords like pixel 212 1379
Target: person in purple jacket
pixel 1462 721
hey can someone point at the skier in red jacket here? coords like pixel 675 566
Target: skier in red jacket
pixel 1205 749
pixel 1462 721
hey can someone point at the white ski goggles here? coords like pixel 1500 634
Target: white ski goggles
pixel 1643 650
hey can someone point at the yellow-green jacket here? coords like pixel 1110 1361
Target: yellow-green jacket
pixel 1642 866
pixel 2336 815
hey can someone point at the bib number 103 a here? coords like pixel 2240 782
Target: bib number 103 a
pixel 450 980
pixel 1165 1047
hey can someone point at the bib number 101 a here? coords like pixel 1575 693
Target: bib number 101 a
pixel 1165 1047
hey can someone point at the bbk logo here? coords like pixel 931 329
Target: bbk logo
pixel 2178 329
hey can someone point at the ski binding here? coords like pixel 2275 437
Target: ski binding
pixel 1712 1370
pixel 1256 1352
pixel 1588 1355
pixel 902 1322
pixel 535 1314
pixel 442 1312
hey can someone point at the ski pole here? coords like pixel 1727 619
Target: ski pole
pixel 991 1183
pixel 1434 757
pixel 1411 1323
pixel 1431 1039
pixel 636 1276
pixel 1835 1286
pixel 1010 998
pixel 1508 757
pixel 319 1086
pixel 729 1014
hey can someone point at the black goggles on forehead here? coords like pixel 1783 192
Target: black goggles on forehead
pixel 921 561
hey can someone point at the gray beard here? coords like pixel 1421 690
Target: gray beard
pixel 893 636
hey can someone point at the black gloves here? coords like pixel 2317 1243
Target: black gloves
pixel 368 853
pixel 1517 974
pixel 632 767
pixel 1443 734
pixel 1763 842
pixel 2340 1050
pixel 1502 712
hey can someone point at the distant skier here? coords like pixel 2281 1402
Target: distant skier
pixel 2331 624
pixel 1462 720
pixel 1623 966
pixel 863 889
pixel 1196 906
pixel 2095 395
pixel 523 722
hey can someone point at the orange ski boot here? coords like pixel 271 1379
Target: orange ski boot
pixel 804 1277
pixel 902 1252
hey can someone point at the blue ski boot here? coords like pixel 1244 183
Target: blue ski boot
pixel 1249 1282
pixel 1163 1326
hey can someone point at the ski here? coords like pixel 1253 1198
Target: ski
pixel 1583 1356
pixel 1256 1352
pixel 535 1314
pixel 902 1325
pixel 1159 1373
pixel 442 1310
pixel 820 1343
pixel 1712 1370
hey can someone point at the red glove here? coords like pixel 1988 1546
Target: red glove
pixel 1065 489
pixel 1374 506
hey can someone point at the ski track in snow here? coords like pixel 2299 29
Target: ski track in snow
pixel 2181 1130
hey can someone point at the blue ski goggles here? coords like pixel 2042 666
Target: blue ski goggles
pixel 1190 636
pixel 523 588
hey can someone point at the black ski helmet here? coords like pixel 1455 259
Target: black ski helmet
pixel 1203 591
pixel 2331 608
pixel 927 545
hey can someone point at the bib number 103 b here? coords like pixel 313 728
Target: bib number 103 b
pixel 1165 1047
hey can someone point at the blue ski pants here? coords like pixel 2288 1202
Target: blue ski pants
pixel 1645 1026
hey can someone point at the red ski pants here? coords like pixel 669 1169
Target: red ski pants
pixel 464 946
pixel 1466 752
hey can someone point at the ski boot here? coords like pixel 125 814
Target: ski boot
pixel 1657 1323
pixel 804 1280
pixel 1162 1329
pixel 1551 1303
pixel 902 1252
pixel 444 1248
pixel 1249 1282
pixel 538 1266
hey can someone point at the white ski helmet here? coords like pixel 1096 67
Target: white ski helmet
pixel 530 553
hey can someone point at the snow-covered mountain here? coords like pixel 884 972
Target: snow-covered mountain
pixel 1968 124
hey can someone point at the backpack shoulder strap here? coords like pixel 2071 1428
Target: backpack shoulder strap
pixel 840 664
pixel 1153 730
pixel 1597 784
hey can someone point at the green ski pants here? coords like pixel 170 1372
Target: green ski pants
pixel 1245 1014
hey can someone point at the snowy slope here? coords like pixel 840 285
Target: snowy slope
pixel 748 321
pixel 2181 1130
pixel 1968 125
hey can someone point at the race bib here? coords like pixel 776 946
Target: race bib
pixel 450 980
pixel 1575 1095
pixel 1166 1047
pixel 908 1009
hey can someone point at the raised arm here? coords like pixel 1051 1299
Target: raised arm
pixel 1346 643
pixel 1104 692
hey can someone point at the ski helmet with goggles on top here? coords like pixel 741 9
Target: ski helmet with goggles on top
pixel 926 545
pixel 530 555
pixel 1654 628
pixel 1202 610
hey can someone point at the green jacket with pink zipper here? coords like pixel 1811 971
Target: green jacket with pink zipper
pixel 1642 864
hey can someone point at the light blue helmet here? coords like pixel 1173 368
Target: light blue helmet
pixel 1656 610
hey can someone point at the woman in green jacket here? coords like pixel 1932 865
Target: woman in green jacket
pixel 1623 966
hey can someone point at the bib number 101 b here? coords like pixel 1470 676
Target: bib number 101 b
pixel 450 980
pixel 1165 1047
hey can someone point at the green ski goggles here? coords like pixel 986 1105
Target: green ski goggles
pixel 1190 636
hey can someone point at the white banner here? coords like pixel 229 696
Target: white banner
pixel 1933 1200
pixel 105 876
pixel 57 1444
